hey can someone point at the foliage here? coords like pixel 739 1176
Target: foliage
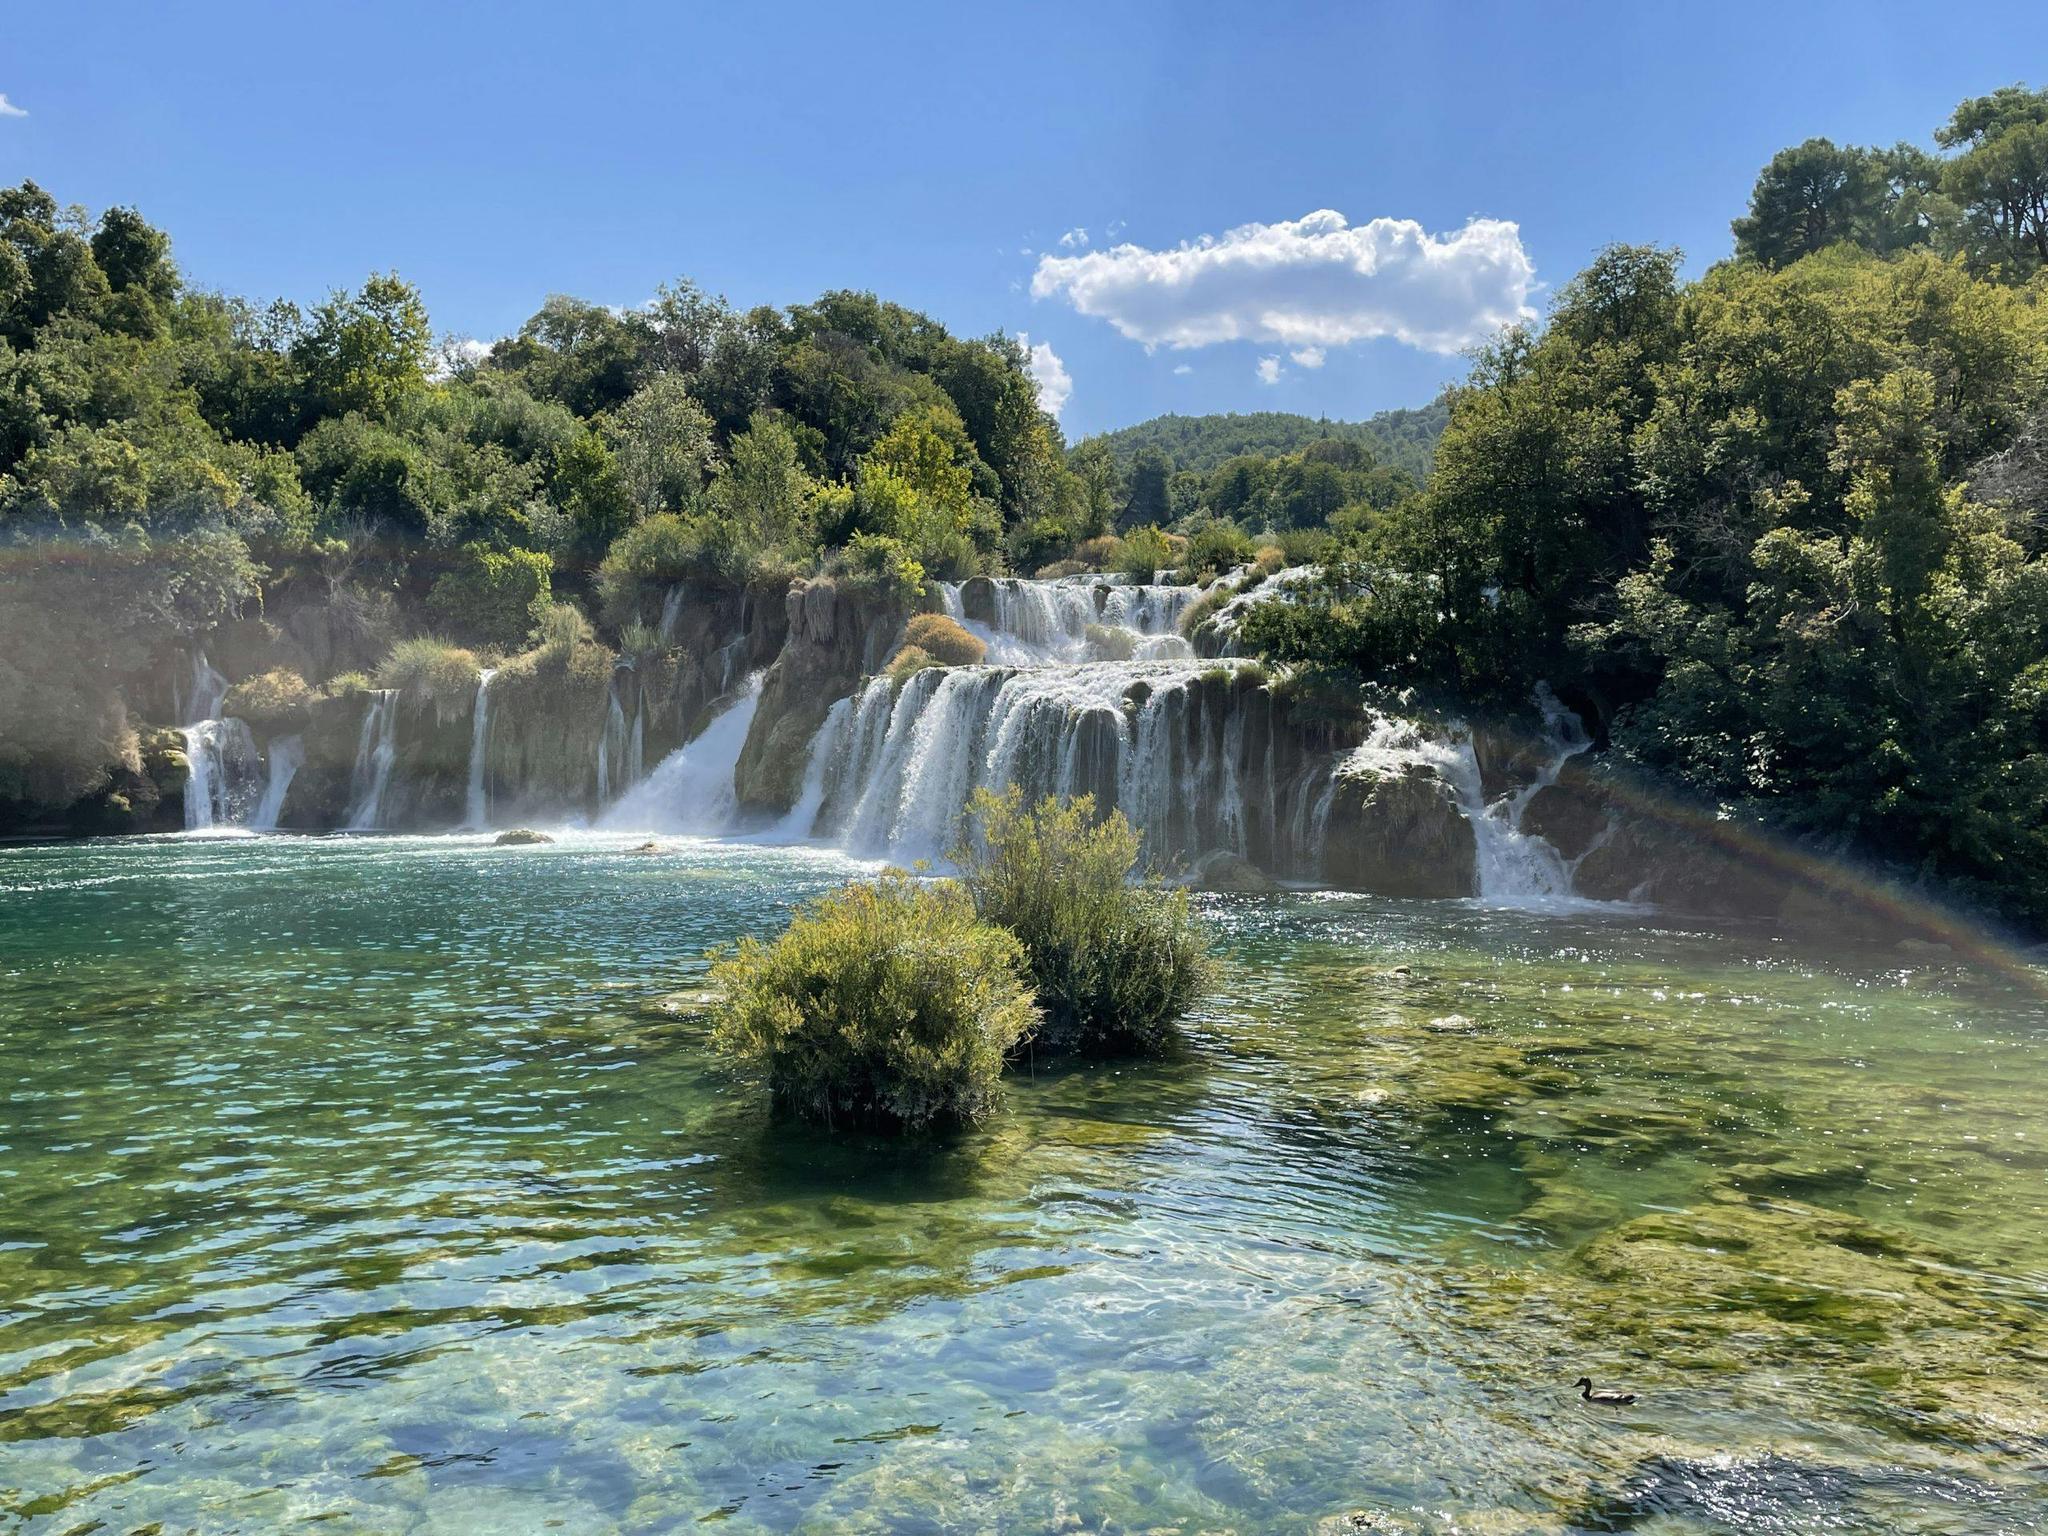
pixel 1116 966
pixel 1143 553
pixel 944 640
pixel 1404 439
pixel 273 698
pixel 494 597
pixel 431 671
pixel 1215 548
pixel 885 1004
pixel 908 661
pixel 878 565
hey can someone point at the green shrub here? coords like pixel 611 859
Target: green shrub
pixel 492 596
pixel 653 555
pixel 639 639
pixel 879 566
pixel 432 671
pixel 1060 568
pixel 944 640
pixel 1116 965
pixel 1145 551
pixel 889 1004
pixel 562 630
pixel 1099 553
pixel 345 684
pixel 907 663
pixel 1214 549
pixel 279 697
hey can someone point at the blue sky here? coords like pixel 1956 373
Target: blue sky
pixel 494 153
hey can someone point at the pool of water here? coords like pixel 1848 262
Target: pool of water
pixel 365 1184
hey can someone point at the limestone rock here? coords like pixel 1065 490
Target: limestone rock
pixel 1399 834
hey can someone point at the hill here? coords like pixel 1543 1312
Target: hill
pixel 1405 439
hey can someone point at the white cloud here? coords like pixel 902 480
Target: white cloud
pixel 1306 283
pixel 9 109
pixel 1185 368
pixel 1075 239
pixel 1309 357
pixel 1054 383
pixel 1269 370
pixel 456 353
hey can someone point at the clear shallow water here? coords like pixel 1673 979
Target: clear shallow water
pixel 360 1184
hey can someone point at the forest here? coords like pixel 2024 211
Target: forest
pixel 1776 530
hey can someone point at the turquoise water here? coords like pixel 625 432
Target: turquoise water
pixel 365 1184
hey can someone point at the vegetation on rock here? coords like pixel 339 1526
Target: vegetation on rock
pixel 944 640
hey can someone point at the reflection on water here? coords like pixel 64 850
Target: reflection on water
pixel 362 1180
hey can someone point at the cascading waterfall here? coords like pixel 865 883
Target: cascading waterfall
pixel 225 771
pixel 691 790
pixel 376 752
pixel 1513 867
pixel 281 764
pixel 225 775
pixel 476 811
pixel 1035 623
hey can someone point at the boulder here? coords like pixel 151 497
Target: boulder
pixel 1572 814
pixel 1223 871
pixel 1399 833
pixel 521 837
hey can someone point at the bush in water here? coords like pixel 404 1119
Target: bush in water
pixel 888 1004
pixel 944 640
pixel 1116 965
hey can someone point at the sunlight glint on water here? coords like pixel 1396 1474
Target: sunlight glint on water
pixel 355 1178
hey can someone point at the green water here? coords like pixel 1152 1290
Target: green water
pixel 362 1185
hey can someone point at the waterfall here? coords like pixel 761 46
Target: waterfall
pixel 1514 867
pixel 224 767
pixel 225 770
pixel 611 741
pixel 477 807
pixel 281 764
pixel 892 772
pixel 691 790
pixel 1036 623
pixel 376 752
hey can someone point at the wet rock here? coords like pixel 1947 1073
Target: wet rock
pixel 1398 834
pixel 1227 872
pixel 521 837
pixel 978 599
pixel 1572 814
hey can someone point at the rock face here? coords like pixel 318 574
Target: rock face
pixel 834 636
pixel 1398 834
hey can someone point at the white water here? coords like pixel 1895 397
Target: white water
pixel 280 766
pixel 476 813
pixel 1039 623
pixel 1514 868
pixel 691 790
pixel 376 752
pixel 226 772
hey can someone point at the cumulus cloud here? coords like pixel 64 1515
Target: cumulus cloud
pixel 1307 283
pixel 1269 370
pixel 9 109
pixel 1074 239
pixel 1054 383
pixel 1309 357
pixel 1185 368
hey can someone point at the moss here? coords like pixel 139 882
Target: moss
pixel 1111 644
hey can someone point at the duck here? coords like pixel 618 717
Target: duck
pixel 1604 1395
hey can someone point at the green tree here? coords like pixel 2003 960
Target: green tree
pixel 366 351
